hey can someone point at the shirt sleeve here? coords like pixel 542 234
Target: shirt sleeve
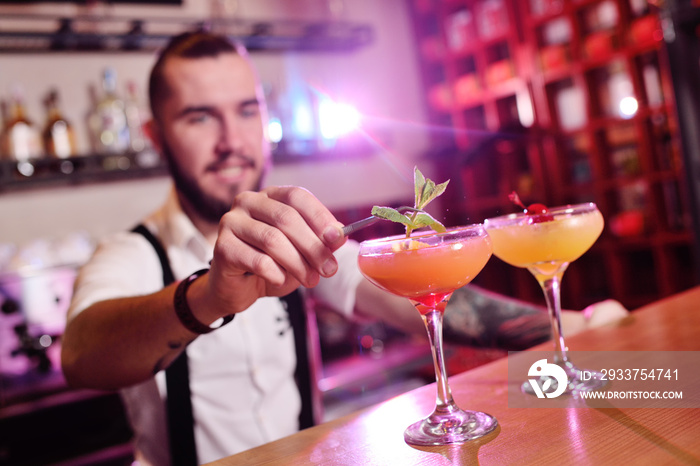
pixel 123 264
pixel 338 292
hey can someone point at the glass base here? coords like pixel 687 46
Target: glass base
pixel 456 427
pixel 579 381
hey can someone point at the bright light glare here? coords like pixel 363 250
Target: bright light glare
pixel 337 119
pixel 303 121
pixel 526 113
pixel 628 107
pixel 274 130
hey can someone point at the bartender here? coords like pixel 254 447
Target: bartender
pixel 228 244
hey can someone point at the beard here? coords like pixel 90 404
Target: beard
pixel 210 208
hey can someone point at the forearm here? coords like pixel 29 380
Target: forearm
pixel 393 310
pixel 121 342
pixel 482 318
pixel 485 319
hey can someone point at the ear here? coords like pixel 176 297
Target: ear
pixel 152 131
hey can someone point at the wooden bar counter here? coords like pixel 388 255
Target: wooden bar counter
pixel 542 436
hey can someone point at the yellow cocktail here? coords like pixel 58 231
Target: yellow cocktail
pixel 426 269
pixel 546 243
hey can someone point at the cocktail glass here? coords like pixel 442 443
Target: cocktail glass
pixel 427 268
pixel 546 244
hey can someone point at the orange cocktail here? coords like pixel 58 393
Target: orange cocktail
pixel 426 269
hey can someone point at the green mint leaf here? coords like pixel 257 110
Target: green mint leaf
pixel 425 191
pixel 433 192
pixel 419 187
pixel 426 220
pixel 394 215
pixel 428 187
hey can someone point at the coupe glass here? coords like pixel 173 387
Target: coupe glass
pixel 546 244
pixel 427 268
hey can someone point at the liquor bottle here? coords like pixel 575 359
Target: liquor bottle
pixel 20 138
pixel 92 119
pixel 108 124
pixel 58 135
pixel 134 118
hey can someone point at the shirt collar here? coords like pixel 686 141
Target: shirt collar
pixel 179 229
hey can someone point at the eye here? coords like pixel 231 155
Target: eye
pixel 198 117
pixel 250 110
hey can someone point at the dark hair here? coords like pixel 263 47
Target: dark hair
pixel 198 44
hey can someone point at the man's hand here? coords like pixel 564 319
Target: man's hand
pixel 604 312
pixel 269 243
pixel 595 315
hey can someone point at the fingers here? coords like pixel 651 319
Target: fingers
pixel 315 214
pixel 242 248
pixel 603 312
pixel 283 235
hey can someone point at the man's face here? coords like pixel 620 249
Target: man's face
pixel 210 127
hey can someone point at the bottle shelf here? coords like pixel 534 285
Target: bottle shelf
pixel 47 172
pixel 92 168
pixel 42 33
pixel 574 64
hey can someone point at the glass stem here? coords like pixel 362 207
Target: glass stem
pixel 552 294
pixel 433 324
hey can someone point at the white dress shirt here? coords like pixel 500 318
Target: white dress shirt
pixel 242 375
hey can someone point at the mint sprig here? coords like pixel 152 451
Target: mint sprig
pixel 425 191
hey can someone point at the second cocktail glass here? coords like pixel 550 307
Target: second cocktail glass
pixel 427 268
pixel 545 244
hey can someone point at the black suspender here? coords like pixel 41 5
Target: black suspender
pixel 168 276
pixel 294 303
pixel 183 450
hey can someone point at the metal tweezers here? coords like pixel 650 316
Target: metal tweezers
pixel 360 224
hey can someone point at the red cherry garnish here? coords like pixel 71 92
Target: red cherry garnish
pixel 538 212
pixel 537 209
pixel 540 218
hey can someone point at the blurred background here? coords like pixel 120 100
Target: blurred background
pixel 563 101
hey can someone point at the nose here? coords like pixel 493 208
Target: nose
pixel 230 136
